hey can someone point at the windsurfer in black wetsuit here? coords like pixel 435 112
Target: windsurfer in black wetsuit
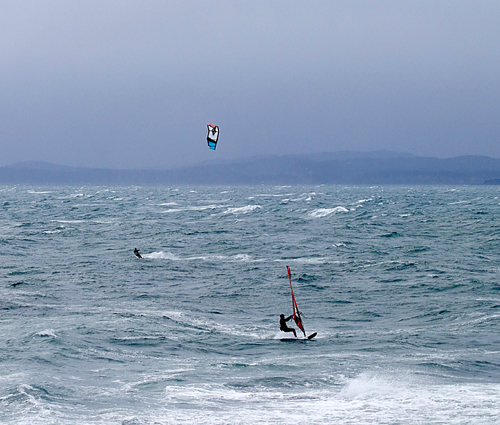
pixel 136 252
pixel 283 325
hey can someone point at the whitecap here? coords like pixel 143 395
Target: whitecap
pixel 242 210
pixel 195 208
pixel 242 258
pixel 270 195
pixel 323 212
pixel 365 387
pixel 47 333
pixel 303 197
pixel 69 221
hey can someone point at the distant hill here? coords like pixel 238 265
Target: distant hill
pixel 380 167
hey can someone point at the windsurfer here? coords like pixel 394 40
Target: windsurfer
pixel 136 252
pixel 283 325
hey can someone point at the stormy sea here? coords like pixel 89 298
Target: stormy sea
pixel 401 284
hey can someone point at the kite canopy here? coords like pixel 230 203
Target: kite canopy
pixel 213 136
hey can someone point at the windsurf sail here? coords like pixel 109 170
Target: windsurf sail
pixel 296 312
pixel 212 136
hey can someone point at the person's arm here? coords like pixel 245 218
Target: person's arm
pixel 289 317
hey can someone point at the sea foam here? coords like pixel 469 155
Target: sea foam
pixel 324 212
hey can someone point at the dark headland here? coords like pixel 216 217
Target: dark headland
pixel 373 168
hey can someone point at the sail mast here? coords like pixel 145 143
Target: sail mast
pixel 295 307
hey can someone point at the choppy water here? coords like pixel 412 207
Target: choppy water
pixel 402 285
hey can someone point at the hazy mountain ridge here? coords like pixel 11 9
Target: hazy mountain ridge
pixel 381 167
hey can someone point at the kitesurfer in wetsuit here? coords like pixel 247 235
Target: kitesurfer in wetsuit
pixel 283 325
pixel 136 252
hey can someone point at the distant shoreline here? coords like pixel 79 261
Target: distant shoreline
pixel 330 168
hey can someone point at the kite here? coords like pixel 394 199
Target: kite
pixel 212 136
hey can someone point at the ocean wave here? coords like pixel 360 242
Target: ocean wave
pixel 307 197
pixel 242 210
pixel 324 212
pixel 69 221
pixel 47 333
pixel 366 384
pixel 362 201
pixel 53 232
pixel 270 195
pixel 194 208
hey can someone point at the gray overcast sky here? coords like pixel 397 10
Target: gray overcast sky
pixel 132 84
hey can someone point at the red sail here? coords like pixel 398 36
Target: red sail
pixel 296 312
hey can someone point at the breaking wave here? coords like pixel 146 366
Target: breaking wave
pixel 324 212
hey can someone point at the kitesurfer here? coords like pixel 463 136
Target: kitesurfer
pixel 136 252
pixel 283 325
